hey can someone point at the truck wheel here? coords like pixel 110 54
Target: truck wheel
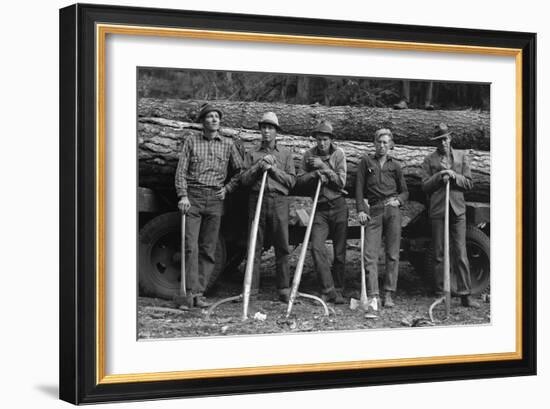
pixel 479 255
pixel 160 257
pixel 478 249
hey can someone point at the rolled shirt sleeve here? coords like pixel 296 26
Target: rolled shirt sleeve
pixel 181 171
pixel 337 176
pixel 306 174
pixel 236 163
pixel 430 182
pixel 464 181
pixel 250 175
pixel 401 185
pixel 286 176
pixel 360 186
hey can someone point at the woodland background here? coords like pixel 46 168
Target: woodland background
pixel 301 89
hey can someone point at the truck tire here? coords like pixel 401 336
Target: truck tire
pixel 160 257
pixel 478 248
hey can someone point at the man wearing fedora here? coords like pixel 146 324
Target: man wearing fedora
pixel 447 164
pixel 273 225
pixel 203 168
pixel 380 180
pixel 327 162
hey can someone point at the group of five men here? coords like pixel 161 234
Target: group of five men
pixel 211 166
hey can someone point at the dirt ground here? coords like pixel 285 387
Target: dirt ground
pixel 159 318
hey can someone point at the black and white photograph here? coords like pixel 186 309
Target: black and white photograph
pixel 252 202
pixel 274 203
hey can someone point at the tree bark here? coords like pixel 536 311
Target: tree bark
pixel 160 140
pixel 471 129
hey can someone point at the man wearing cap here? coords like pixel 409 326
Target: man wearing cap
pixel 447 164
pixel 380 180
pixel 327 162
pixel 203 167
pixel 273 225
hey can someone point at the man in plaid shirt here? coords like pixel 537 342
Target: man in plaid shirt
pixel 202 171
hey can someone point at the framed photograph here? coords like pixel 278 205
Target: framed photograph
pixel 257 204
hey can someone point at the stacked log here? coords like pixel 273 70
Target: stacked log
pixel 160 142
pixel 414 127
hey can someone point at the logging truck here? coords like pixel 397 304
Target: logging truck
pixel 159 238
pixel 163 125
pixel 160 255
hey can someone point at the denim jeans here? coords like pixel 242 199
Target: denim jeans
pixel 331 220
pixel 457 251
pixel 272 228
pixel 201 237
pixel 385 221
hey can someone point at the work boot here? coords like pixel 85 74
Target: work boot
pixel 284 295
pixel 339 298
pixel 201 302
pixel 467 301
pixel 254 294
pixel 388 301
pixel 401 105
pixel 333 296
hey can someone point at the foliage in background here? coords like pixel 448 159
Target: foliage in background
pixel 303 89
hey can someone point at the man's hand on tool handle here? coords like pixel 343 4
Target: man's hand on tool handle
pixel 322 177
pixel 393 202
pixel 448 173
pixel 267 162
pixel 184 205
pixel 270 159
pixel 363 218
pixel 265 166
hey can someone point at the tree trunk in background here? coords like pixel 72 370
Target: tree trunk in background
pixel 302 90
pixel 160 140
pixel 471 129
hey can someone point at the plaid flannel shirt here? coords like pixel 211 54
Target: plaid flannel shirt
pixel 204 163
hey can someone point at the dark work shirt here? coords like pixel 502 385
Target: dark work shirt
pixel 377 184
pixel 335 170
pixel 280 178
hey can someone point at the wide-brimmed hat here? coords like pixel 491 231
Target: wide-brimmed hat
pixel 441 131
pixel 206 108
pixel 269 118
pixel 324 127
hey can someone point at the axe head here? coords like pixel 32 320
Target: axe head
pixel 364 301
pixel 361 304
pixel 183 300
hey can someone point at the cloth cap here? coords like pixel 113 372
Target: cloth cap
pixel 206 108
pixel 325 127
